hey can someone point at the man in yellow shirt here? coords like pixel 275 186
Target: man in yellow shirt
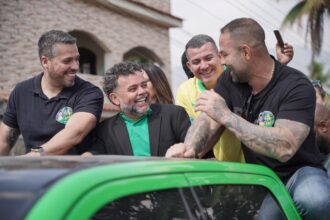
pixel 203 61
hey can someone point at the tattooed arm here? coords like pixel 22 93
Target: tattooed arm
pixel 203 134
pixel 8 138
pixel 201 137
pixel 280 142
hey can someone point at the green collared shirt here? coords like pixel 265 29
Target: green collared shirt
pixel 138 132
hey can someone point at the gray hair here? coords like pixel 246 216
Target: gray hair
pixel 111 76
pixel 49 39
pixel 199 40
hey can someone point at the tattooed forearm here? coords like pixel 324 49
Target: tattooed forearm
pixel 279 142
pixel 12 137
pixel 201 132
pixel 8 137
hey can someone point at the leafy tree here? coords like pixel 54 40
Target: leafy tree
pixel 320 74
pixel 315 10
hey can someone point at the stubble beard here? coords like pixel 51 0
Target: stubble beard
pixel 131 110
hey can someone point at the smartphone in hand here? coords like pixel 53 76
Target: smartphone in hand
pixel 279 39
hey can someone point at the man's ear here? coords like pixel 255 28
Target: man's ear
pixel 246 51
pixel 44 62
pixel 113 97
pixel 322 126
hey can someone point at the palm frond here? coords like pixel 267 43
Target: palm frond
pixel 294 14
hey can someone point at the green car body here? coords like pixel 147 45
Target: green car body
pixel 80 194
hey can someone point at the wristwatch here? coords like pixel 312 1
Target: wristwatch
pixel 39 150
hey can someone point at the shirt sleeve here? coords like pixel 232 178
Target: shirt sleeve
pixel 186 97
pixel 180 97
pixel 10 116
pixel 90 100
pixel 299 103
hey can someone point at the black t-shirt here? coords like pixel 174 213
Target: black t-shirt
pixel 289 95
pixel 39 118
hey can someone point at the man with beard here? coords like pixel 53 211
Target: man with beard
pixel 202 59
pixel 55 110
pixel 270 108
pixel 140 129
pixel 322 131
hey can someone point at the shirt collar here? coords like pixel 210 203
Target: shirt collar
pixel 37 84
pixel 201 86
pixel 64 94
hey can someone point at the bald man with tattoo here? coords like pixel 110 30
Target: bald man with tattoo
pixel 270 108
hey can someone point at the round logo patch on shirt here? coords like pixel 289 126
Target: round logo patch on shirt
pixel 64 115
pixel 266 119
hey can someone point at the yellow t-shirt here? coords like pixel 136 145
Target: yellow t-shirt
pixel 228 148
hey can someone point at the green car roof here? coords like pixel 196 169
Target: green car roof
pixel 80 194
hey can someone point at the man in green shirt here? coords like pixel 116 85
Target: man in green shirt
pixel 139 129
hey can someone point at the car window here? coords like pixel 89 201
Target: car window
pixel 233 201
pixel 199 202
pixel 164 204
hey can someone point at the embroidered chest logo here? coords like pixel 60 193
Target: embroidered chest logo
pixel 64 115
pixel 266 119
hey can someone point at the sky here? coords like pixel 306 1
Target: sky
pixel 208 16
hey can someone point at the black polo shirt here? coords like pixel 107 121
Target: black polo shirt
pixel 289 95
pixel 39 118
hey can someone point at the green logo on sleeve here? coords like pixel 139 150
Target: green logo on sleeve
pixel 64 115
pixel 266 119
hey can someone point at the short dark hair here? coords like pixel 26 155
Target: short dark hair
pixel 198 41
pixel 184 61
pixel 111 76
pixel 49 39
pixel 245 30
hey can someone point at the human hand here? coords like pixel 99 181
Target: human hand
pixel 87 154
pixel 212 104
pixel 180 150
pixel 31 154
pixel 284 55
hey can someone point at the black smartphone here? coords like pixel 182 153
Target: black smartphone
pixel 279 38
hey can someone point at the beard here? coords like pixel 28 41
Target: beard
pixel 63 81
pixel 131 110
pixel 234 76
